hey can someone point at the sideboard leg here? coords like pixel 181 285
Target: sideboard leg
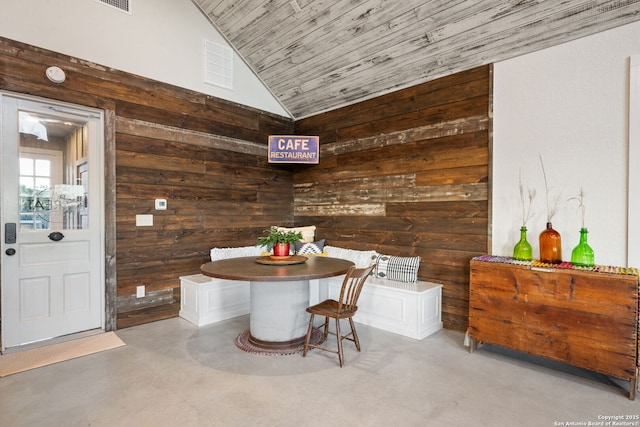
pixel 473 345
pixel 632 389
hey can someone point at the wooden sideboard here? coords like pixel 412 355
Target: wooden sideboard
pixel 583 318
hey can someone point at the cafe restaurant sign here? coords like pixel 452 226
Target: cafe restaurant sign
pixel 294 149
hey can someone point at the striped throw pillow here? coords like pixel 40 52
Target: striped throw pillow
pixel 402 269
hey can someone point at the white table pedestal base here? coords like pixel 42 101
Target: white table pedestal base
pixel 278 316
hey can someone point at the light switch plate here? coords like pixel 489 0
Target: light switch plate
pixel 144 220
pixel 161 204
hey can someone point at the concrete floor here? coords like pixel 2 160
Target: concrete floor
pixel 172 373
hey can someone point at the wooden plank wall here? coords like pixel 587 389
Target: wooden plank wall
pixel 206 156
pixel 404 173
pixel 407 174
pixel 215 197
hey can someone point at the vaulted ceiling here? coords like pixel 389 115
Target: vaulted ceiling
pixel 318 55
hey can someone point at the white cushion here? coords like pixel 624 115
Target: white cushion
pixel 360 258
pixel 243 251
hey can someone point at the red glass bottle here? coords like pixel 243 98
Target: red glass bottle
pixel 550 246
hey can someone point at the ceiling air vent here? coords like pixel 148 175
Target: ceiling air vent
pixel 123 5
pixel 218 60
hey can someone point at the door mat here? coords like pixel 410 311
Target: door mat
pixel 43 356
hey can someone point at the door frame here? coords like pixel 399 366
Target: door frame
pixel 108 189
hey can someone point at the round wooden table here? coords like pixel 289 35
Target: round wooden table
pixel 279 294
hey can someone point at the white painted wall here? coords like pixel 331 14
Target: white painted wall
pixel 634 163
pixel 570 105
pixel 161 39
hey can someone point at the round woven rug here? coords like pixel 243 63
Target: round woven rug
pixel 243 343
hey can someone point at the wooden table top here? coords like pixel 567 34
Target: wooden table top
pixel 246 268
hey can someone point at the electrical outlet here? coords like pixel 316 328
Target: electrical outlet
pixel 144 220
pixel 140 291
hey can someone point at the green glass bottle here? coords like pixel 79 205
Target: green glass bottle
pixel 582 255
pixel 522 250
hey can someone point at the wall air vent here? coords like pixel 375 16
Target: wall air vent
pixel 123 5
pixel 218 65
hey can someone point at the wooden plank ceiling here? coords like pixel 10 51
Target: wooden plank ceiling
pixel 318 55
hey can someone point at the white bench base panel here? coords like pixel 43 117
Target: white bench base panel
pixel 205 300
pixel 412 310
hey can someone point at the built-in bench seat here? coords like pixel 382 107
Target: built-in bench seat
pixel 409 309
pixel 205 300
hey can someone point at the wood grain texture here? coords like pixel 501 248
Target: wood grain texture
pixel 586 319
pixel 111 284
pixel 204 155
pixel 406 174
pixel 331 53
pixel 216 197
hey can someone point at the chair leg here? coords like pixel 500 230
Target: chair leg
pixel 326 329
pixel 308 337
pixel 355 334
pixel 339 336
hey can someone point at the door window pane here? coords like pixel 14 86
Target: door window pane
pixel 42 183
pixel 53 173
pixel 43 167
pixel 26 167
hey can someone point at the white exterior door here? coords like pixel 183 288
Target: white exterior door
pixel 52 221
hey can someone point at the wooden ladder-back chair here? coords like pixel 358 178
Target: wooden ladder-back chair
pixel 344 308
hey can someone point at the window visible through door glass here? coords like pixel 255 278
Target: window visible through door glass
pixel 35 197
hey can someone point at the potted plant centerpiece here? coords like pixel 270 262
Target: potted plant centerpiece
pixel 279 240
